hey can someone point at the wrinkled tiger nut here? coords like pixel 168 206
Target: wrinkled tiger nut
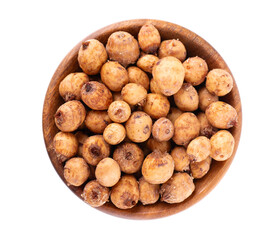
pixel 119 111
pixel 114 133
pixel 163 129
pixel 174 48
pixel 138 126
pixel 108 172
pixel 187 98
pixel 95 194
pixel 95 149
pixel 206 129
pixel 123 48
pixel 178 188
pixel 96 95
pixel 158 167
pixel 129 157
pixel 76 171
pixel 221 115
pixel 222 145
pixel 153 145
pixel 149 38
pixel 196 70
pixel 187 127
pixel 125 194
pixel 65 145
pixel 117 96
pixel 70 116
pixel 70 86
pixel 136 75
pixel 200 169
pixel 169 74
pixel 206 98
pixel 81 138
pixel 114 75
pixel 147 62
pixel 180 158
pixel 91 56
pixel 154 86
pixel 97 121
pixel 199 149
pixel 219 82
pixel 148 193
pixel 173 114
pixel 134 94
pixel 156 105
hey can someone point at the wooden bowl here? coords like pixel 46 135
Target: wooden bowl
pixel 196 46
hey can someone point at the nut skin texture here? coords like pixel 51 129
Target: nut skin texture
pixel 97 121
pixel 187 127
pixel 154 86
pixel 158 167
pixel 149 38
pixel 196 70
pixel 119 111
pixel 180 158
pixel 136 75
pixel 200 169
pixel 65 145
pixel 199 149
pixel 114 75
pixel 129 157
pixel 95 194
pixel 81 138
pixel 206 129
pixel 163 129
pixel 222 145
pixel 206 98
pixel 76 171
pixel 148 193
pixel 219 82
pixel 108 172
pixel 134 94
pixel 147 62
pixel 123 48
pixel 138 126
pixel 95 149
pixel 70 87
pixel 91 56
pixel 187 98
pixel 179 187
pixel 156 105
pixel 221 115
pixel 174 48
pixel 153 145
pixel 169 74
pixel 125 194
pixel 117 96
pixel 70 115
pixel 96 95
pixel 173 114
pixel 114 133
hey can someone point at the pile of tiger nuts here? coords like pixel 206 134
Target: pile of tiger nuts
pixel 143 125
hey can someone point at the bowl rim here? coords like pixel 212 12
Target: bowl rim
pixel 131 213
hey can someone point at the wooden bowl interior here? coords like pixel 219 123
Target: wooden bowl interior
pixel 196 46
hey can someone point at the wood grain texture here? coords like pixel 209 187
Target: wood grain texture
pixel 196 46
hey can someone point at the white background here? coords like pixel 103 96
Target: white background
pixel 35 203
